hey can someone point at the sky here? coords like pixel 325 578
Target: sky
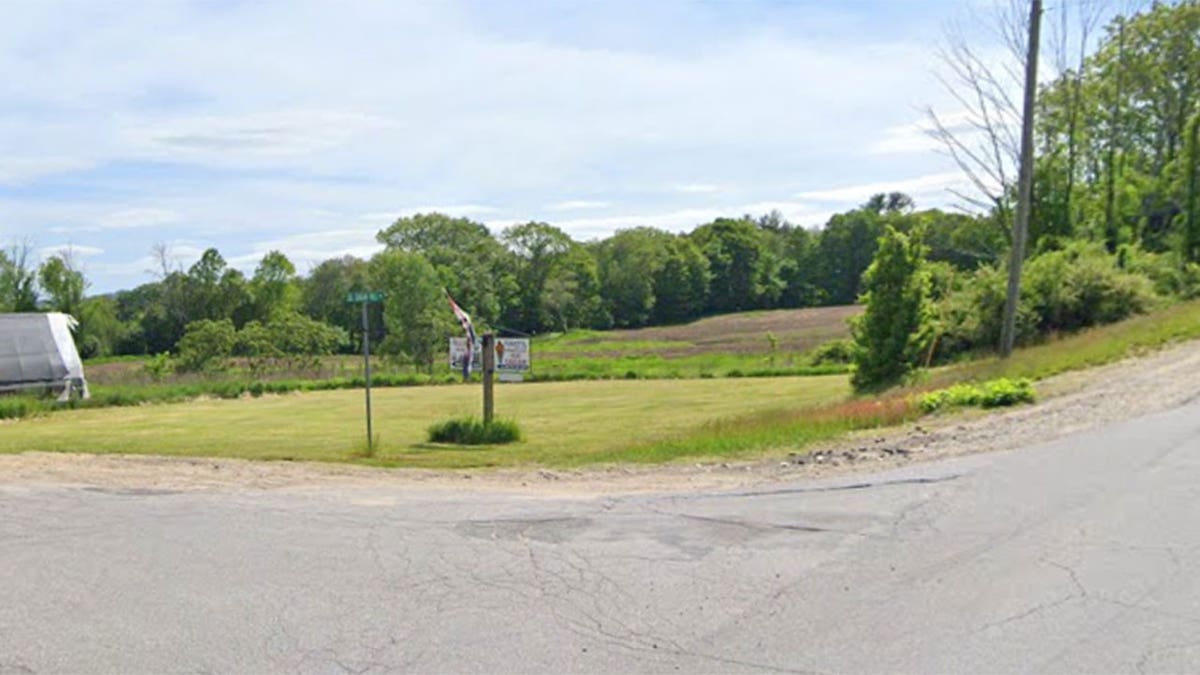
pixel 307 127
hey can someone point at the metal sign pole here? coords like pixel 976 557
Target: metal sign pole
pixel 367 371
pixel 366 298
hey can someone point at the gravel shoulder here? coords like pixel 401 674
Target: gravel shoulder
pixel 1069 403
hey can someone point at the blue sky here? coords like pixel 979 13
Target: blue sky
pixel 308 127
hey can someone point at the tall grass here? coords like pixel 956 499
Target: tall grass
pixel 770 430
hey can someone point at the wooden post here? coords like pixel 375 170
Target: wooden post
pixel 489 368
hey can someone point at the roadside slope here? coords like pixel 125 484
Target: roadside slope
pixel 1070 402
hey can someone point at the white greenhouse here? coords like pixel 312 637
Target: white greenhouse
pixel 37 353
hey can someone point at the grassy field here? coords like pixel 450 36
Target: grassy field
pixel 768 343
pixel 747 333
pixel 564 423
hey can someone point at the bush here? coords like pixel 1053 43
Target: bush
pixel 1062 290
pixel 970 319
pixel 833 352
pixel 1166 271
pixel 159 366
pixel 1082 286
pixel 206 345
pixel 474 431
pixel 993 394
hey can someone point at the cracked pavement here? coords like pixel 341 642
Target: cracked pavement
pixel 1079 555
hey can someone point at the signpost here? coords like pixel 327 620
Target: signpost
pixel 512 356
pixel 366 298
pixel 508 358
pixel 489 367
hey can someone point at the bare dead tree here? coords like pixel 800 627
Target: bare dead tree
pixel 164 263
pixel 983 137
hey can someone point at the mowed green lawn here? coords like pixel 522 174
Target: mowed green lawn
pixel 564 423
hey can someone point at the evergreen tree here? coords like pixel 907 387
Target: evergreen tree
pixel 893 332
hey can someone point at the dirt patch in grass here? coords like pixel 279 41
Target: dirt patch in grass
pixel 795 330
pixel 115 371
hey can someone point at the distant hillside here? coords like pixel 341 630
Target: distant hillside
pixel 795 330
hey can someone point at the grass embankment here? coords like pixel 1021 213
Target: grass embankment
pixel 1093 347
pixel 792 429
pixel 569 423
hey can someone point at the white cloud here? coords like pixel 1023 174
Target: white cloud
pixel 457 210
pixel 75 251
pixel 577 205
pixel 684 220
pixel 933 184
pixel 19 170
pixel 308 249
pixel 138 217
pixel 917 137
pixel 131 218
pixel 905 138
pixel 697 188
pixel 258 139
pixel 362 110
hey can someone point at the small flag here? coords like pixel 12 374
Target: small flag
pixel 465 320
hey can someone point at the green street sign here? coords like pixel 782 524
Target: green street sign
pixel 373 296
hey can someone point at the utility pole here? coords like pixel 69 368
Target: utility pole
pixel 1024 185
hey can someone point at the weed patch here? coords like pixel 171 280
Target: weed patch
pixel 19 407
pixel 474 431
pixel 994 394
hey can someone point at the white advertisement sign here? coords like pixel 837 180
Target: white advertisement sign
pixel 512 354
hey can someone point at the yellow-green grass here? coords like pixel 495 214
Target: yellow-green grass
pixel 563 423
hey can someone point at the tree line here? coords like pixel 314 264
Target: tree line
pixel 1115 226
pixel 530 279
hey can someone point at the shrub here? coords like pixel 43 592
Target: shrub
pixel 1166 271
pixel 1081 286
pixel 474 431
pixel 1075 287
pixel 288 339
pixel 206 344
pixel 993 394
pixel 159 366
pixel 833 352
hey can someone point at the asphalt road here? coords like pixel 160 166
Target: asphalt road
pixel 1082 555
